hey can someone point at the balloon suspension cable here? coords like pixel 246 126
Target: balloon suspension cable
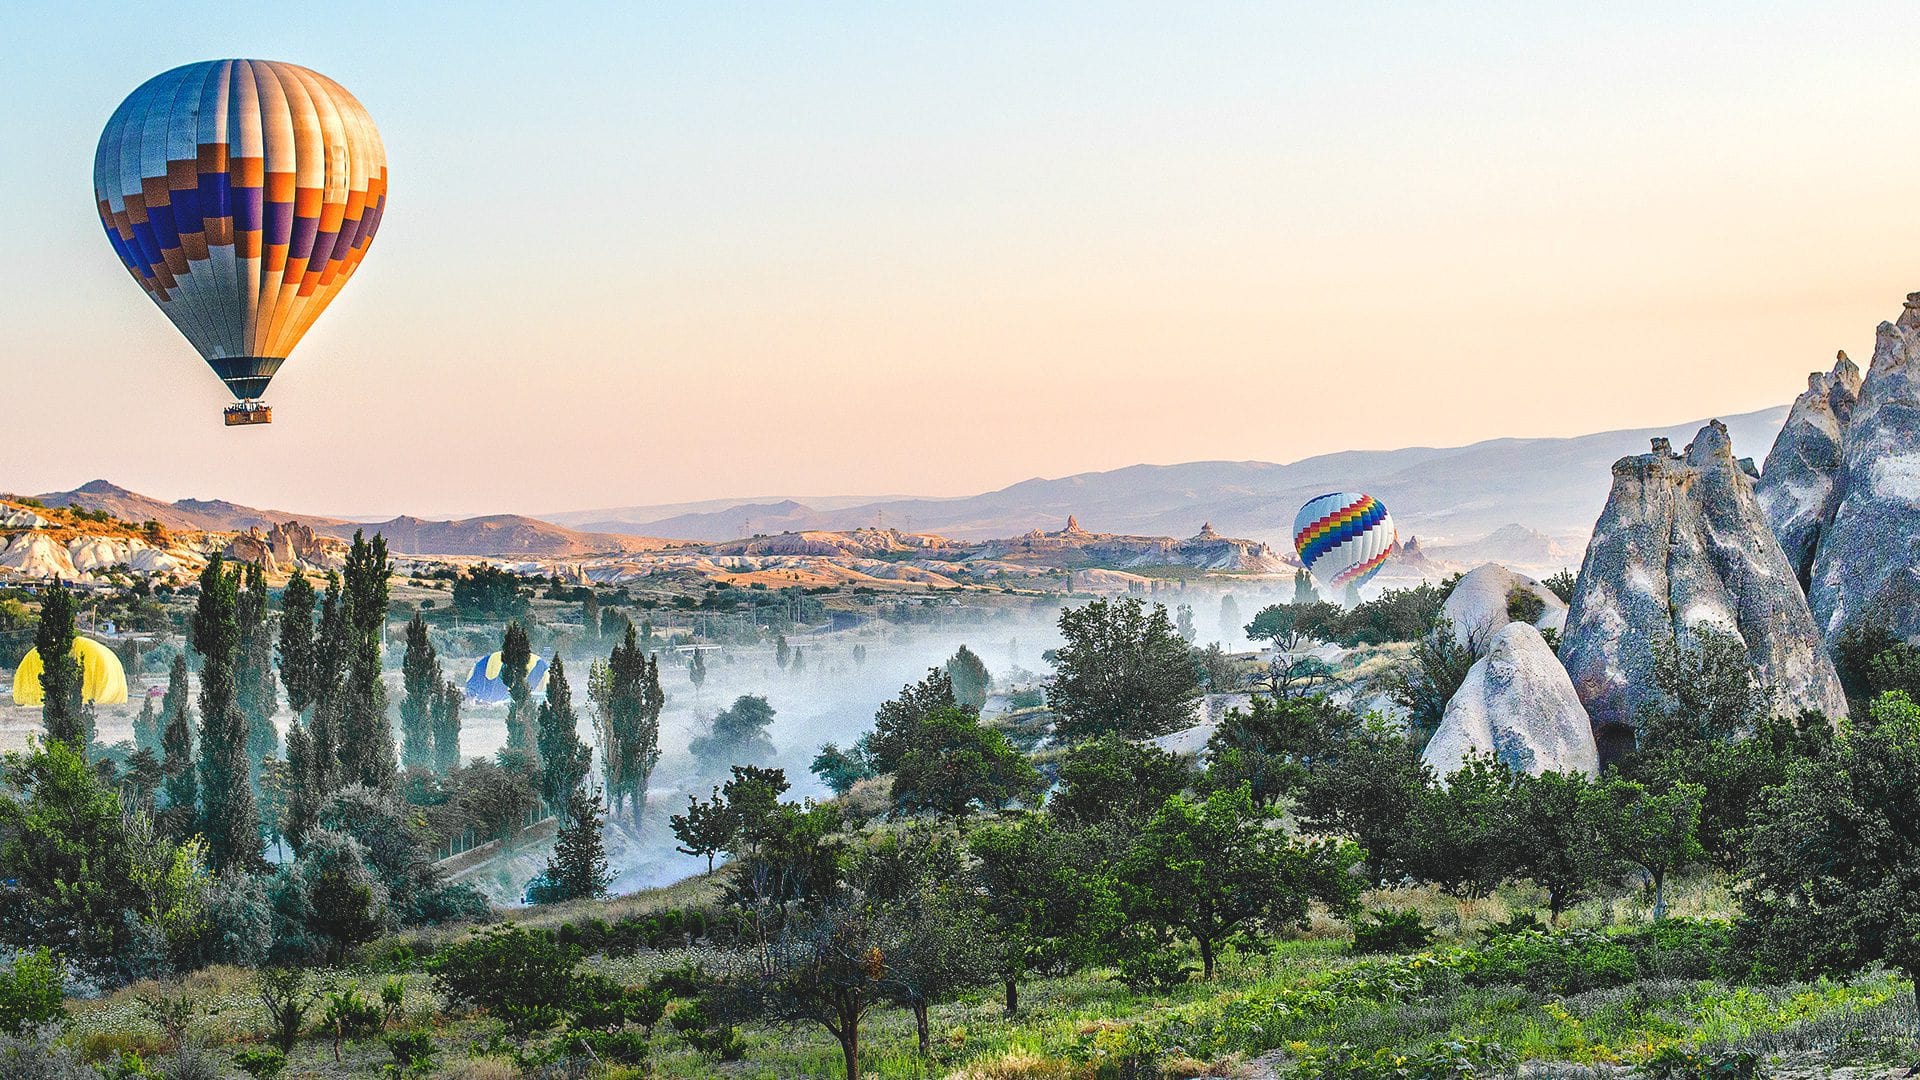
pixel 249 411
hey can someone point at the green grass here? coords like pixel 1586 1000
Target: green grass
pixel 1294 1001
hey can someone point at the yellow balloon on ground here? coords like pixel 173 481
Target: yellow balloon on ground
pixel 102 680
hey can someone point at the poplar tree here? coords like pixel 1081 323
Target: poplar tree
pixel 176 748
pixel 254 688
pixel 228 818
pixel 629 721
pixel 578 869
pixel 60 706
pixel 327 688
pixel 516 652
pixel 296 642
pixel 445 712
pixel 365 748
pixel 420 677
pixel 564 759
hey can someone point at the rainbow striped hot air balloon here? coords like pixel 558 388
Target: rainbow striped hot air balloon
pixel 241 195
pixel 1344 538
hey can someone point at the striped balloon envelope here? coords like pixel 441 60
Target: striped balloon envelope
pixel 1344 538
pixel 485 685
pixel 241 195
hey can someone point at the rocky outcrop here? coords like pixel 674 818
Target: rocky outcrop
pixel 1518 705
pixel 1682 542
pixel 1865 570
pixel 1484 600
pixel 1799 488
pixel 286 546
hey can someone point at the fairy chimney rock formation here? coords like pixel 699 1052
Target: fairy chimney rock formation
pixel 1683 543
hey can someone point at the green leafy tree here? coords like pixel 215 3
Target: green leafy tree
pixel 782 653
pixel 577 869
pixel 1303 590
pixel 1047 893
pixel 32 991
pixel 420 680
pixel 84 872
pixel 959 765
pixel 1424 682
pixel 1123 669
pixel 444 714
pixel 841 769
pixel 1214 868
pixel 971 680
pixel 1292 627
pixel 1659 832
pixel 516 653
pixel 1566 849
pixel 487 592
pixel 737 733
pixel 228 817
pixel 1464 834
pixel 61 709
pixel 1112 781
pixel 524 977
pixel 564 759
pixel 147 726
pixel 825 967
pixel 1272 744
pixel 697 669
pixel 255 692
pixel 326 687
pixel 1833 884
pixel 707 828
pixel 339 901
pixel 944 942
pixel 1368 786
pixel 896 726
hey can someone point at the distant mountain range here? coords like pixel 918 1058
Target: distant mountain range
pixel 498 534
pixel 1465 495
pixel 1528 501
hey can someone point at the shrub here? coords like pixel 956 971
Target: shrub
pixel 33 1054
pixel 1566 963
pixel 523 977
pixel 261 1062
pixel 1452 1059
pixel 31 991
pixel 1520 922
pixel 1684 949
pixel 413 1051
pixel 706 1034
pixel 1384 930
pixel 1678 1063
pixel 286 999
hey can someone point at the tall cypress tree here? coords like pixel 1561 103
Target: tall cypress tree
pixel 577 870
pixel 296 642
pixel 176 748
pixel 366 738
pixel 564 759
pixel 446 727
pixel 516 652
pixel 254 688
pixel 420 676
pixel 228 817
pixel 327 688
pixel 60 707
pixel 303 796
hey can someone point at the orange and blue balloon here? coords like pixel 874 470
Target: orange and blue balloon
pixel 1344 538
pixel 241 195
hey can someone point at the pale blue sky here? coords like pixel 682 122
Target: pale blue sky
pixel 649 253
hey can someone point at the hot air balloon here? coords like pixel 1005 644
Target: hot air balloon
pixel 1344 538
pixel 103 681
pixel 241 194
pixel 486 686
